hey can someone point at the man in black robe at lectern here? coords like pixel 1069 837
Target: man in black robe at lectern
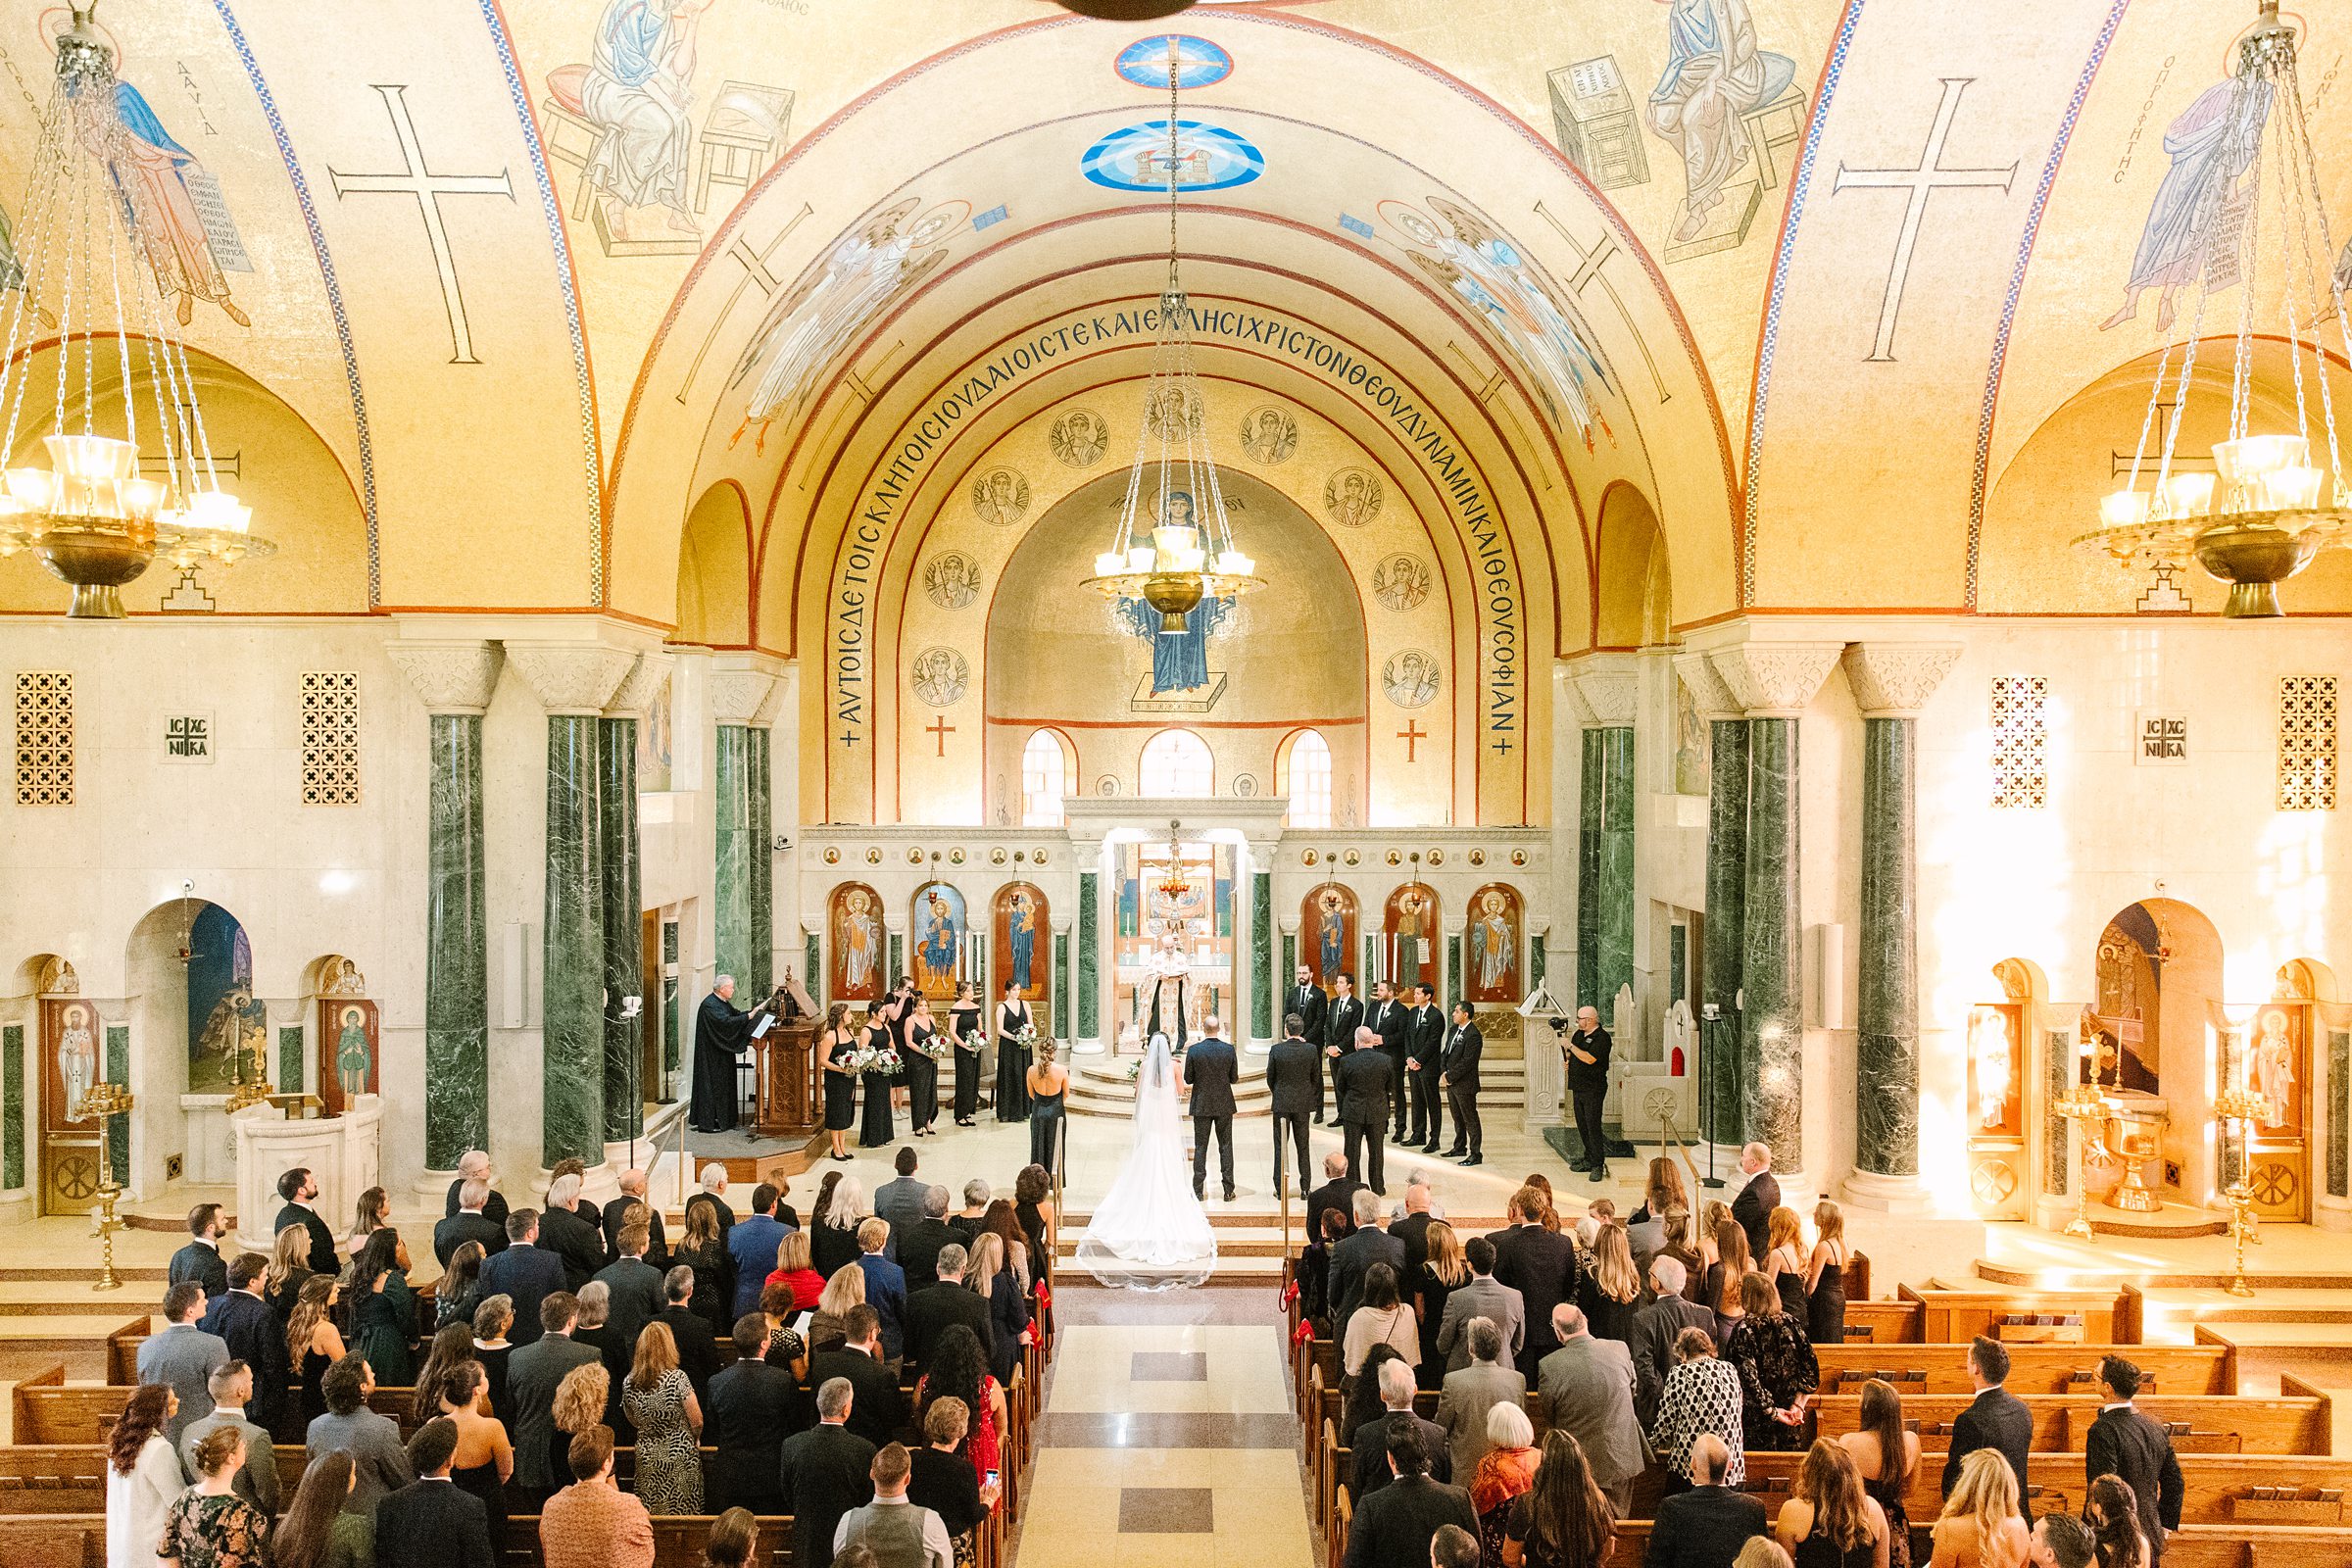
pixel 721 1035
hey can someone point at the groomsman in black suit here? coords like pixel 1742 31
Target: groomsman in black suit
pixel 1340 1020
pixel 1209 1071
pixel 1389 1020
pixel 1361 1084
pixel 1425 1058
pixel 1462 1046
pixel 1295 1085
pixel 1308 1001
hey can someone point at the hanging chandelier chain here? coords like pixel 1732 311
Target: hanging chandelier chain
pixel 2294 256
pixel 2318 297
pixel 2248 247
pixel 40 227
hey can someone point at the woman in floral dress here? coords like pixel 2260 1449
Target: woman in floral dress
pixel 210 1526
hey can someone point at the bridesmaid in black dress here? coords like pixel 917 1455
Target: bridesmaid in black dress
pixel 963 1021
pixel 900 1017
pixel 1013 1058
pixel 922 1069
pixel 834 1042
pixel 876 1132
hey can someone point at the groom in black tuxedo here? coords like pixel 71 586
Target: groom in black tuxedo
pixel 1340 1020
pixel 1209 1071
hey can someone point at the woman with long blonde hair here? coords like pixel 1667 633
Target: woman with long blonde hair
pixel 660 1403
pixel 313 1341
pixel 289 1266
pixel 1007 1304
pixel 1784 1261
pixel 704 1251
pixel 1824 1276
pixel 833 1239
pixel 1611 1290
pixel 1981 1525
pixel 829 1324
pixel 579 1407
pixel 1662 1190
pixel 1730 1266
pixel 1828 1521
pixel 1445 1269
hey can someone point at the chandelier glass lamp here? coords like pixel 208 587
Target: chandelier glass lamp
pixel 2275 497
pixel 1174 544
pixel 99 510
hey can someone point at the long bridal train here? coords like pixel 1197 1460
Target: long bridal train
pixel 1149 1233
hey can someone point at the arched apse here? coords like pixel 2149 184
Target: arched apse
pixel 1060 655
pixel 1633 590
pixel 715 587
pixel 2049 492
pixel 264 451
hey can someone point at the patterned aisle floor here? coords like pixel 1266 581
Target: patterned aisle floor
pixel 1167 1435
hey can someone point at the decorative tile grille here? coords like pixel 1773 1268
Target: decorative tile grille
pixel 2307 743
pixel 44 737
pixel 331 737
pixel 2021 741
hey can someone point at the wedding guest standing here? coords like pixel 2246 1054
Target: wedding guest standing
pixel 1013 1058
pixel 1294 1085
pixel 142 1478
pixel 875 1130
pixel 1778 1372
pixel 1463 1044
pixel 1048 1085
pixel 1824 1276
pixel 922 1069
pixel 210 1526
pixel 963 1026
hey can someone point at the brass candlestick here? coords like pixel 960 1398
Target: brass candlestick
pixel 2080 1103
pixel 103 1100
pixel 2240 1105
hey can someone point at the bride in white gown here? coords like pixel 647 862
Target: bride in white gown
pixel 1149 1232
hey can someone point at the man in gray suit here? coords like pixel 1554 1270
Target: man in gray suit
pixel 255 1480
pixel 379 1461
pixel 1585 1389
pixel 1655 1329
pixel 1483 1296
pixel 534 1372
pixel 1352 1258
pixel 1467 1396
pixel 1209 1071
pixel 183 1357
pixel 901 1200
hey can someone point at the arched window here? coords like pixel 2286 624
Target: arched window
pixel 1176 761
pixel 1048 773
pixel 1307 779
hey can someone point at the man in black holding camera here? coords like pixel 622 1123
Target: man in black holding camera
pixel 1585 1055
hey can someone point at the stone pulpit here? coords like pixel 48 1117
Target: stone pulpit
pixel 344 1154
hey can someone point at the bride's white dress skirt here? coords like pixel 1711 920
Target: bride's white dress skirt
pixel 1149 1232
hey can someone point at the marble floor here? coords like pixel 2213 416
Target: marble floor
pixel 1166 1437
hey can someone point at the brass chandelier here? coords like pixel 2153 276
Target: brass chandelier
pixel 1173 546
pixel 2269 507
pixel 94 515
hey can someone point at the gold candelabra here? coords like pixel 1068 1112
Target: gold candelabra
pixel 103 1100
pixel 2081 1103
pixel 2240 1105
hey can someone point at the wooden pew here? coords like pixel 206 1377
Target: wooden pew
pixel 2220 1487
pixel 2208 1366
pixel 48 1409
pixel 2202 1423
pixel 1957 1314
pixel 78 1541
pixel 123 1351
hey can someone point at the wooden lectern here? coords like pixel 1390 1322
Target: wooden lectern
pixel 786 1102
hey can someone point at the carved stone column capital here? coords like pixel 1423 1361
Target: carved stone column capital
pixel 1894 680
pixel 1713 699
pixel 571 677
pixel 449 677
pixel 639 687
pixel 1773 680
pixel 771 706
pixel 738 694
pixel 1613 696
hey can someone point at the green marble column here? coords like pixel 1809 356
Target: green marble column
pixel 1289 960
pixel 672 1048
pixel 1536 956
pixel 291 1059
pixel 760 966
pixel 624 930
pixel 1771 1026
pixel 118 1128
pixel 1588 873
pixel 11 1107
pixel 2339 1116
pixel 732 925
pixel 1614 963
pixel 1886 1022
pixel 457 947
pixel 1090 939
pixel 1061 986
pixel 572 974
pixel 1264 982
pixel 1724 943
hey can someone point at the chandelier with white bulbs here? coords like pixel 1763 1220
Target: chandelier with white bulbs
pixel 1173 547
pixel 94 515
pixel 2271 504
